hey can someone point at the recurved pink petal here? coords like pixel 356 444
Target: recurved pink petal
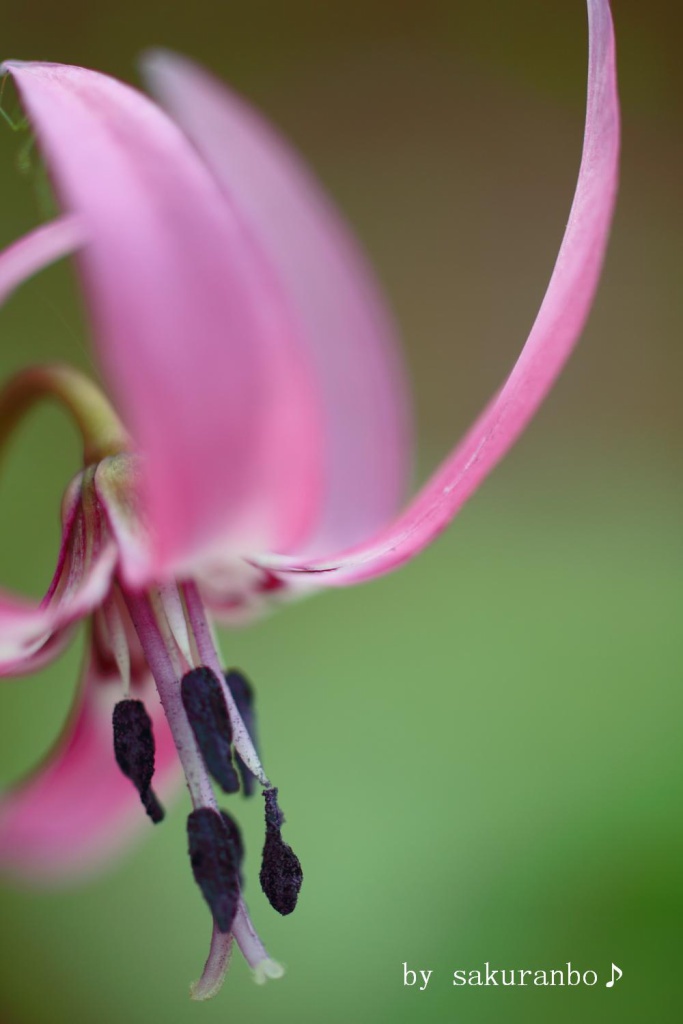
pixel 340 316
pixel 27 664
pixel 78 810
pixel 556 330
pixel 191 328
pixel 33 634
pixel 40 248
pixel 30 633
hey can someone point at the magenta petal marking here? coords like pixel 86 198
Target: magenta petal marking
pixel 26 630
pixel 37 250
pixel 81 580
pixel 558 325
pixel 341 319
pixel 194 336
pixel 78 811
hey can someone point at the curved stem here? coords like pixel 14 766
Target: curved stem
pixel 102 431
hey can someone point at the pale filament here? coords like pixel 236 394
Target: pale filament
pixel 112 622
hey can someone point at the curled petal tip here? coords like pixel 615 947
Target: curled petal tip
pixel 38 249
pixel 555 332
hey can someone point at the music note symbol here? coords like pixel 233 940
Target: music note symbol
pixel 617 972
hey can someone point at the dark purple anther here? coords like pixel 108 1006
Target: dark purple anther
pixel 235 839
pixel 243 695
pixel 134 752
pixel 281 875
pixel 215 864
pixel 207 713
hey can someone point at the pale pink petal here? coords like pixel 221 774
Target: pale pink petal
pixel 37 250
pixel 558 325
pixel 27 664
pixel 78 810
pixel 341 318
pixel 117 485
pixel 191 329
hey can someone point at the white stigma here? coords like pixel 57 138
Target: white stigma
pixel 268 970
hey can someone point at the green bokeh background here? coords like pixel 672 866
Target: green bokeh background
pixel 480 755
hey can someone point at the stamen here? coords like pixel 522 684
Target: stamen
pixel 199 784
pixel 134 752
pixel 235 837
pixel 166 679
pixel 207 713
pixel 214 865
pixel 164 627
pixel 207 652
pixel 281 875
pixel 253 949
pixel 243 694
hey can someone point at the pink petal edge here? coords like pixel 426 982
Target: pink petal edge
pixel 556 330
pixel 37 250
pixel 194 337
pixel 78 811
pixel 340 315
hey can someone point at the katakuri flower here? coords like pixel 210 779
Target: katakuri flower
pixel 258 450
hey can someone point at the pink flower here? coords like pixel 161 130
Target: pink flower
pixel 259 449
